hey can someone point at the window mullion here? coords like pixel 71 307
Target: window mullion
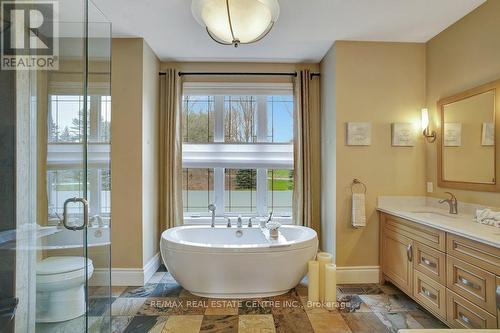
pixel 219 119
pixel 219 190
pixel 262 192
pixel 94 190
pixel 219 137
pixel 94 109
pixel 262 137
pixel 261 119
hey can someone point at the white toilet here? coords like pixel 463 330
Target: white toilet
pixel 60 288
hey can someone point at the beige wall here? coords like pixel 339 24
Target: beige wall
pixel 464 56
pixel 126 153
pixel 134 112
pixel 379 83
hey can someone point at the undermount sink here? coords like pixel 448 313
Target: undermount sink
pixel 433 214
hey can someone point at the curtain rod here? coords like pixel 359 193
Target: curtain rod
pixel 294 74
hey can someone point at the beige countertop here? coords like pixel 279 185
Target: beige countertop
pixel 428 212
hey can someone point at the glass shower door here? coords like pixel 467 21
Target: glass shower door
pixel 78 159
pixel 55 175
pixel 99 169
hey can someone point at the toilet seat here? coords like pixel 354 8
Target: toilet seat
pixel 58 269
pixel 56 265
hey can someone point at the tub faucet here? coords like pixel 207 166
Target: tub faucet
pixel 452 202
pixel 228 222
pixel 239 223
pixel 270 217
pixel 212 208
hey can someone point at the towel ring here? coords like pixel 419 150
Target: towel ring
pixel 355 182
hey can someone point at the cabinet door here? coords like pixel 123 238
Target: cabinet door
pixel 397 260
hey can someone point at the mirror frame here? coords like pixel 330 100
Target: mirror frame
pixel 463 185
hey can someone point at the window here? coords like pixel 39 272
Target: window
pixel 237 150
pixel 65 153
pixel 65 124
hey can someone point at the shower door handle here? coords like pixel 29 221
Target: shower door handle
pixel 85 213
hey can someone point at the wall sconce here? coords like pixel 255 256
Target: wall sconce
pixel 430 136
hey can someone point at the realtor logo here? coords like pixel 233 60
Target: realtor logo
pixel 29 39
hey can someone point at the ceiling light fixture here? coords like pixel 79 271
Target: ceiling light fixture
pixel 235 22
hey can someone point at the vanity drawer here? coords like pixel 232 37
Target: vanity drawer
pixel 425 235
pixel 430 262
pixel 430 293
pixel 482 255
pixel 461 313
pixel 475 284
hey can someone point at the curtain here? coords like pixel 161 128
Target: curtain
pixel 307 155
pixel 170 168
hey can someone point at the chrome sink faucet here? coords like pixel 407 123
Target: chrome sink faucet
pixel 452 202
pixel 239 223
pixel 212 208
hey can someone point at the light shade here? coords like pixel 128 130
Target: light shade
pixel 234 22
pixel 425 119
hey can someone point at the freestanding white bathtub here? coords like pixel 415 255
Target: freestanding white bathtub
pixel 225 262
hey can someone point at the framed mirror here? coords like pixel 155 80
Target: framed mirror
pixel 468 155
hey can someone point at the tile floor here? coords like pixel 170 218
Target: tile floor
pixel 164 306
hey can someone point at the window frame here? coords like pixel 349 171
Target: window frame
pixel 261 155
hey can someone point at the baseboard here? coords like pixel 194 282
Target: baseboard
pixel 126 276
pixel 139 277
pixel 151 267
pixel 358 274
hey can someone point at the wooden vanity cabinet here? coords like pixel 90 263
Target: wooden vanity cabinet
pixel 454 278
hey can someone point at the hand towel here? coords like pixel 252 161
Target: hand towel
pixel 358 218
pixel 488 217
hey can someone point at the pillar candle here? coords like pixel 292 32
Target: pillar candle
pixel 323 259
pixel 330 285
pixel 313 281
